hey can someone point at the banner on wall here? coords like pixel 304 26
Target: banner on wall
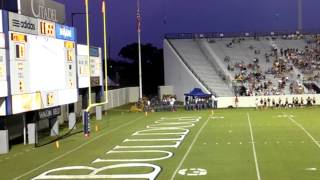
pixel 43 9
pixel 23 24
pixel 65 32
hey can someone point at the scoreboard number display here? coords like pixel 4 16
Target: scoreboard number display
pixel 47 28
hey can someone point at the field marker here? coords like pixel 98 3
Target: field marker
pixel 189 149
pixel 311 169
pixel 301 127
pixel 254 149
pixel 77 148
pixel 216 117
pixel 193 172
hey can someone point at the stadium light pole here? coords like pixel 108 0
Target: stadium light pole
pixel 88 45
pixel 139 46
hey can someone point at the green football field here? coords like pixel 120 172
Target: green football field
pixel 231 144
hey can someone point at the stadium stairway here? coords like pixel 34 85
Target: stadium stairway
pixel 197 61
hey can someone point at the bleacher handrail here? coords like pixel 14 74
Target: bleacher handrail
pixel 238 34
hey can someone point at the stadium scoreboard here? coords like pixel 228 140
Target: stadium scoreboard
pixel 42 57
pixel 3 70
pixel 92 74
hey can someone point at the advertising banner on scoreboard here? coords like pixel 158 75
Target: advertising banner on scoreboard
pixel 65 32
pixel 44 9
pixel 23 24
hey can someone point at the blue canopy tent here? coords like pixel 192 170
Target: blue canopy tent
pixel 197 92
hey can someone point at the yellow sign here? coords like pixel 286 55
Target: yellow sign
pixel 21 86
pixel 68 44
pixel 18 37
pixel 26 102
pixel 50 99
pixel 20 51
pixel 1 70
pixel 70 55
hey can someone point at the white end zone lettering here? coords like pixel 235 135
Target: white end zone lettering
pixel 95 172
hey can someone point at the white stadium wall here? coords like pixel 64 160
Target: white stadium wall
pixel 177 73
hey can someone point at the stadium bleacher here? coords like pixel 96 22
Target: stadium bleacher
pixel 253 65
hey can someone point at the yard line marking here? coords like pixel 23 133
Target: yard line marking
pixel 254 149
pixel 77 148
pixel 189 149
pixel 301 127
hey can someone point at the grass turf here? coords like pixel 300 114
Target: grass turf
pixel 223 147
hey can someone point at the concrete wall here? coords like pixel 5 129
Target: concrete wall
pixel 165 90
pixel 119 97
pixel 177 73
pixel 250 101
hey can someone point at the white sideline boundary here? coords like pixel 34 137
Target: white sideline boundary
pixel 305 131
pixel 254 149
pixel 189 149
pixel 77 148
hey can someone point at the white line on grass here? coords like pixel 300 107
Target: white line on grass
pixel 77 148
pixel 254 149
pixel 189 149
pixel 301 127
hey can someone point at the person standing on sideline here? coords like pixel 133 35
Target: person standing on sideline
pixel 214 101
pixel 172 101
pixel 236 101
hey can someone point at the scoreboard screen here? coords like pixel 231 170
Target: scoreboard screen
pixel 43 71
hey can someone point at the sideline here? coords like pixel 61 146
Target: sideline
pixel 305 131
pixel 77 148
pixel 254 149
pixel 189 149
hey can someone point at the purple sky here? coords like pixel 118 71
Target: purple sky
pixel 174 16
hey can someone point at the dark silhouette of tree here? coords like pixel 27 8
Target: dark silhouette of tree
pixel 152 66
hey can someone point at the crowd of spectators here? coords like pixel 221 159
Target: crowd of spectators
pixel 249 75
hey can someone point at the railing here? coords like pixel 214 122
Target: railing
pixel 189 67
pixel 237 34
pixel 222 73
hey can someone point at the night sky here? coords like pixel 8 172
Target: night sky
pixel 177 16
